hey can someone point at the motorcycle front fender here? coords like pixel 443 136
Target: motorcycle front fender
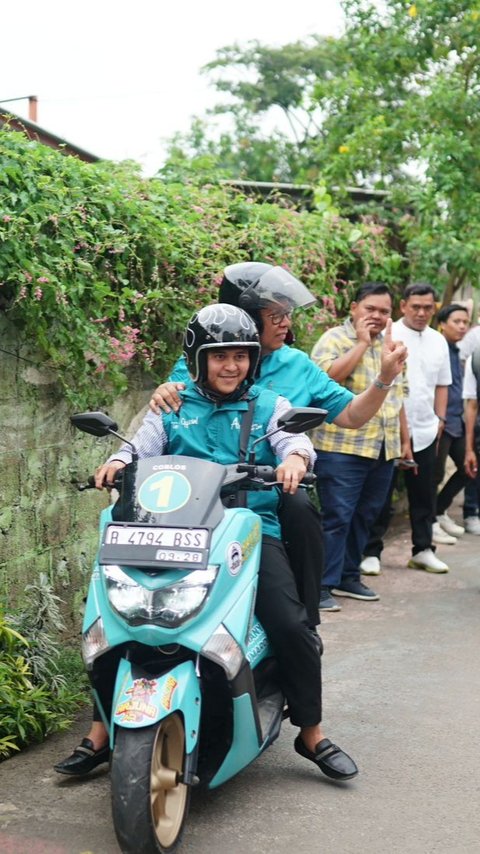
pixel 141 700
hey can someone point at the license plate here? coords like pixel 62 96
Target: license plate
pixel 164 538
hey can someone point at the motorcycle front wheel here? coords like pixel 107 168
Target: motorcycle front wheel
pixel 149 803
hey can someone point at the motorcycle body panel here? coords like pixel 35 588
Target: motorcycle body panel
pixel 141 701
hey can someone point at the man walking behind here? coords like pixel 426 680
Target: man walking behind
pixel 428 377
pixel 355 468
pixel 453 324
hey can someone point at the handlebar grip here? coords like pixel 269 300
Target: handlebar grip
pixel 309 478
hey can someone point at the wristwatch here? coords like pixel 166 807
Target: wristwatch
pixel 378 383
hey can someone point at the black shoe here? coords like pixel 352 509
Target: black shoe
pixel 329 758
pixel 83 759
pixel 356 590
pixel 327 602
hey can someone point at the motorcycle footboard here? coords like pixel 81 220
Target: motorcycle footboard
pixel 142 700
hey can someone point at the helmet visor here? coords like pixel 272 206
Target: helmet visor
pixel 278 287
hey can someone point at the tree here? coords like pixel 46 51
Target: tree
pixel 393 104
pixel 403 112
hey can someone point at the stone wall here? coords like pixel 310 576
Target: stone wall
pixel 46 525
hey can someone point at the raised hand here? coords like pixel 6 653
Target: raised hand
pixel 394 354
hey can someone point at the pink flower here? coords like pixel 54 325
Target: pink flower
pixel 42 279
pixel 22 292
pixel 7 218
pixel 121 314
pixel 27 276
pixel 38 293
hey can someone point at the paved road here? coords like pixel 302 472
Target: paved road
pixel 402 695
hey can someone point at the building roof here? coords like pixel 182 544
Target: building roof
pixel 35 131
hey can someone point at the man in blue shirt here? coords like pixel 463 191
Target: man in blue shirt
pixel 453 324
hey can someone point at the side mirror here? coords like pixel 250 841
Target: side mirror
pixel 301 419
pixel 95 423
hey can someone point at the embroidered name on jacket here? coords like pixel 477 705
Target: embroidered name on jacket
pixel 184 422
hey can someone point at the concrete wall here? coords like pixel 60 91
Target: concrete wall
pixel 45 523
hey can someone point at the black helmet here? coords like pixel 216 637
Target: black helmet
pixel 252 285
pixel 215 326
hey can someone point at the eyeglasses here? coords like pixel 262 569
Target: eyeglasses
pixel 279 316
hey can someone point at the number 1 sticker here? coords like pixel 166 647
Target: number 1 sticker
pixel 164 492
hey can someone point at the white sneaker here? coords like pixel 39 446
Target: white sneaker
pixel 371 565
pixel 472 525
pixel 428 561
pixel 440 537
pixel 450 526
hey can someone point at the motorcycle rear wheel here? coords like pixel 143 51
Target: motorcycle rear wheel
pixel 149 804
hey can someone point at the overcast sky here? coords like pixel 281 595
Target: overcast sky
pixel 118 77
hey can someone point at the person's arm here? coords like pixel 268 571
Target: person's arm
pixel 150 440
pixel 440 406
pixel 366 404
pixel 344 365
pixel 295 450
pixel 471 412
pixel 406 452
pixel 165 397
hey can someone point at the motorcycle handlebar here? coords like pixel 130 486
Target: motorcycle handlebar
pixel 90 484
pixel 269 475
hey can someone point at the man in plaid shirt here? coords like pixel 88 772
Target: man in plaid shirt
pixel 355 467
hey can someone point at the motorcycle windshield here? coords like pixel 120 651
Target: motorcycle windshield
pixel 166 511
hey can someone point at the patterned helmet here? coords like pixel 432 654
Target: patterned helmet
pixel 216 326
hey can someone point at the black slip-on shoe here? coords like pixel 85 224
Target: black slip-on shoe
pixel 333 761
pixel 83 759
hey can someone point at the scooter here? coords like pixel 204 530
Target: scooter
pixel 181 669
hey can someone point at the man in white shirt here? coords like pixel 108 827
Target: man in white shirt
pixel 428 378
pixel 471 504
pixel 471 397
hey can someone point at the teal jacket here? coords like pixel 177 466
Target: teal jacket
pixel 291 373
pixel 211 431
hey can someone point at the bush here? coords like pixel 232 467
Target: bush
pixel 101 268
pixel 41 685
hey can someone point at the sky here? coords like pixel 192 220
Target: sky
pixel 118 78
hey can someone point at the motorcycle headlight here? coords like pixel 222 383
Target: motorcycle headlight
pixel 94 642
pixel 167 606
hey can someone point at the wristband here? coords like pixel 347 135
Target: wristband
pixel 381 385
pixel 303 454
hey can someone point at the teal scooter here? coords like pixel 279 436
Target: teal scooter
pixel 181 669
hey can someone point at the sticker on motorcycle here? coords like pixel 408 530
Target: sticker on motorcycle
pixel 168 692
pixel 164 492
pixel 138 707
pixel 234 558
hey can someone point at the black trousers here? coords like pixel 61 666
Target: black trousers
pixel 453 447
pixel 295 644
pixel 421 491
pixel 302 535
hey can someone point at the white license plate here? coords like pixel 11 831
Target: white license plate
pixel 166 538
